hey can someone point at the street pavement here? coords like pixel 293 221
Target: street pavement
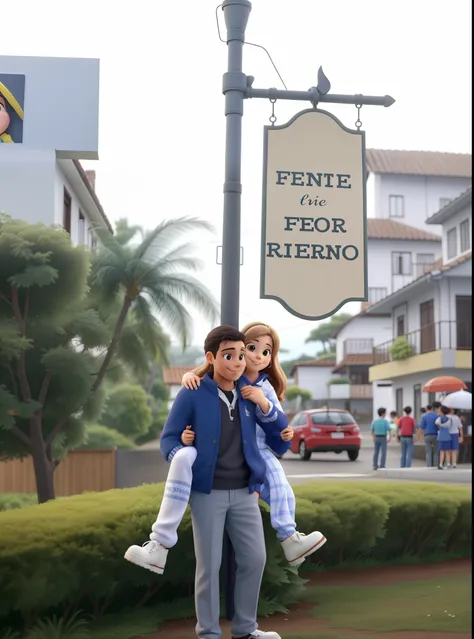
pixel 323 466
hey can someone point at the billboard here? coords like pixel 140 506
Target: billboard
pixel 50 104
pixel 314 238
pixel 12 99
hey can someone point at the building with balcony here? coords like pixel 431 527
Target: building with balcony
pixel 411 186
pixel 396 253
pixel 355 342
pixel 431 318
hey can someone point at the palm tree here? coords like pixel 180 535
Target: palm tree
pixel 150 280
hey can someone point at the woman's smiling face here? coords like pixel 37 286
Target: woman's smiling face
pixel 258 353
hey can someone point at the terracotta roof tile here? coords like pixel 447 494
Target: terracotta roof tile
pixel 172 375
pixel 386 229
pixel 363 359
pixel 424 163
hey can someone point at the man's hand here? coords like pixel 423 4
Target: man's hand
pixel 187 436
pixel 287 434
pixel 257 396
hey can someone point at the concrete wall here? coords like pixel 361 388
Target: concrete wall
pixel 27 183
pixel 315 379
pixel 137 467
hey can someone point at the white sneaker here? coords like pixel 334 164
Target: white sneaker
pixel 299 546
pixel 152 556
pixel 257 634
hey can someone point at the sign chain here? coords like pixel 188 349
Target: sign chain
pixel 358 122
pixel 273 117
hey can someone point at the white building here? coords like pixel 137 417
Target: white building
pixel 395 253
pixel 314 375
pixel 172 377
pixel 410 186
pixel 433 313
pixel 36 186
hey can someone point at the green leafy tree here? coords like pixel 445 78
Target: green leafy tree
pixel 58 336
pixel 324 332
pixel 99 437
pixel 46 343
pixel 150 279
pixel 295 392
pixel 127 411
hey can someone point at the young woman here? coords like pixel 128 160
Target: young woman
pixel 263 373
pixel 449 436
pixel 263 370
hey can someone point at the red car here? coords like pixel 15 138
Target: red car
pixel 325 431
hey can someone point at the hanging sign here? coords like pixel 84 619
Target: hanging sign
pixel 314 238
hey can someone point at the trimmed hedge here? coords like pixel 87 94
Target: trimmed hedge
pixel 68 554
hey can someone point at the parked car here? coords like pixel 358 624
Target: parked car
pixel 325 431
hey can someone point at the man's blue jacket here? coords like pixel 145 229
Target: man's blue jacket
pixel 201 409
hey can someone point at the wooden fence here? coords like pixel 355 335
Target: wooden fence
pixel 80 471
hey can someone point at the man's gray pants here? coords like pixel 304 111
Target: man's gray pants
pixel 237 511
pixel 431 449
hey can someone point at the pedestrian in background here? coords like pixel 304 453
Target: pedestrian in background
pixel 393 421
pixel 381 434
pixel 406 432
pixel 430 436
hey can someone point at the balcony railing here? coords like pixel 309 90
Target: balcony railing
pixel 429 338
pixel 358 346
pixel 361 391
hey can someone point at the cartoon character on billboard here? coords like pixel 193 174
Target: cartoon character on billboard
pixel 11 115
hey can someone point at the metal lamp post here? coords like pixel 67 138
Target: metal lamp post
pixel 237 87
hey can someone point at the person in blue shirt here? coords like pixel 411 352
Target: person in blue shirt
pixel 430 435
pixel 227 476
pixel 382 434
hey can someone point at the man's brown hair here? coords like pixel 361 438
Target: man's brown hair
pixel 222 334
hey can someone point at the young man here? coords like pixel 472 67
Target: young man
pixel 406 432
pixel 430 436
pixel 227 474
pixel 380 430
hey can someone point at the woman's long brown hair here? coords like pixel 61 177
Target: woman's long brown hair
pixel 275 373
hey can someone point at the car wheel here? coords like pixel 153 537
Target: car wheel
pixel 353 455
pixel 304 454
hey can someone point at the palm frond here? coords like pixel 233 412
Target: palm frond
pixel 149 330
pixel 160 239
pixel 183 286
pixel 173 313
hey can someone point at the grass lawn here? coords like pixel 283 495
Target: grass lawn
pixel 415 605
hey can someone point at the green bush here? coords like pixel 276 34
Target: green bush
pixel 100 437
pixel 127 410
pixel 69 555
pixel 334 381
pixel 12 501
pixel 400 349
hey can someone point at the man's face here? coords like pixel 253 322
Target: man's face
pixel 229 361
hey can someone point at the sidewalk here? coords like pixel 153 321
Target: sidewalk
pixel 461 474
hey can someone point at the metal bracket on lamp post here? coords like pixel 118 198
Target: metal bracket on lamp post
pixel 237 87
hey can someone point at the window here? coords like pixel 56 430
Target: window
pixel 67 211
pixel 332 418
pixel 465 235
pixel 401 263
pixel 399 401
pixel 424 263
pixel 452 238
pixel 82 229
pixel 417 402
pixel 376 294
pixel 400 325
pixel 299 420
pixel 444 201
pixel 396 206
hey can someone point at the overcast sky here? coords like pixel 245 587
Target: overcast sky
pixel 161 108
